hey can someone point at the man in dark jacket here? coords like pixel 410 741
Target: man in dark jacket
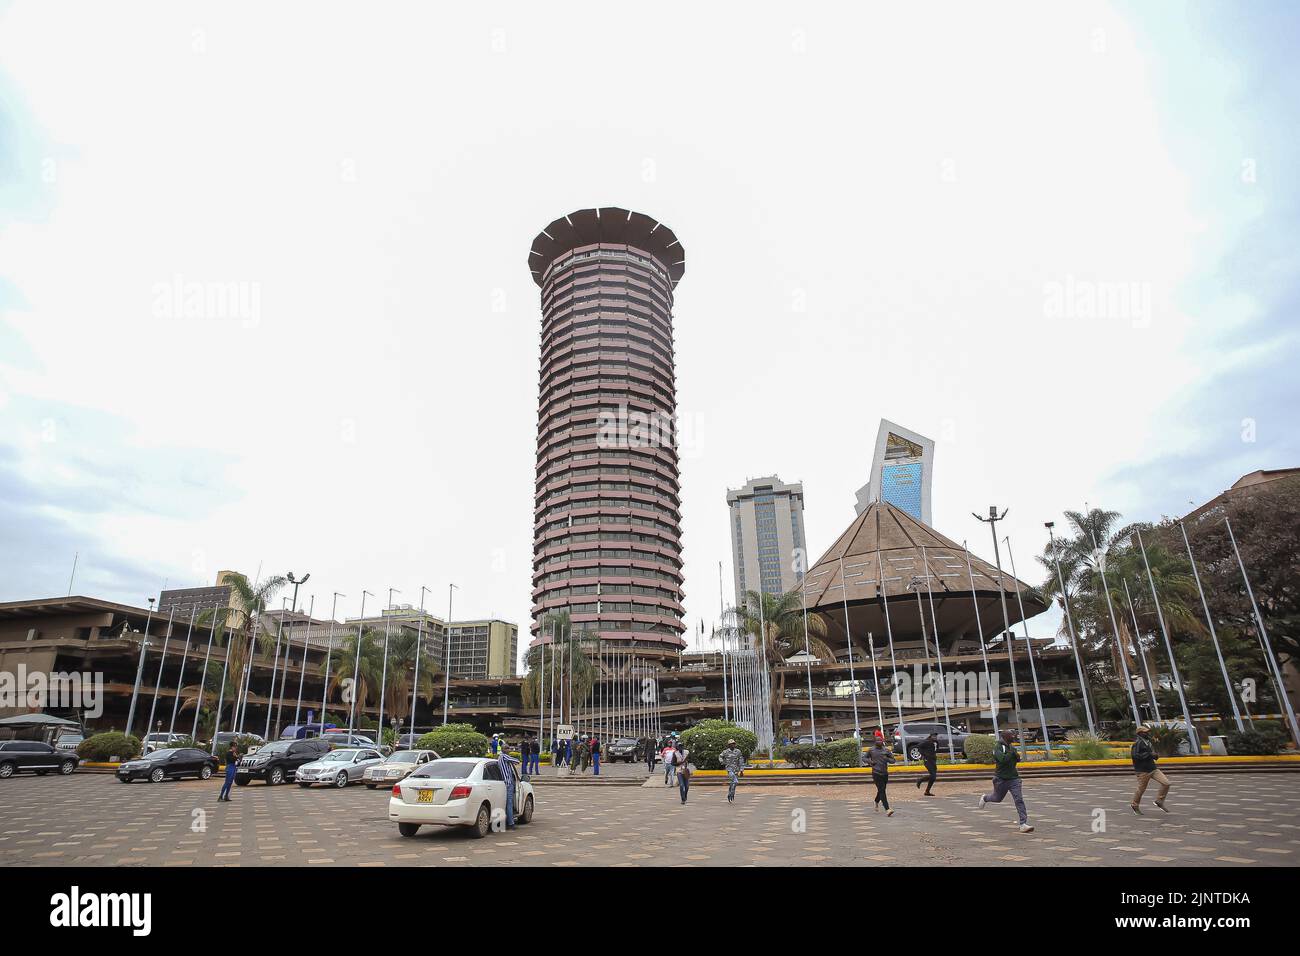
pixel 930 758
pixel 1144 762
pixel 1006 779
pixel 879 758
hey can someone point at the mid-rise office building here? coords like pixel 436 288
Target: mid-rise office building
pixel 188 602
pixel 902 468
pixel 768 553
pixel 481 649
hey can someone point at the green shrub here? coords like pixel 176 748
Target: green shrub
pixel 709 738
pixel 1262 741
pixel 979 748
pixel 837 753
pixel 454 740
pixel 1165 740
pixel 1086 746
pixel 112 745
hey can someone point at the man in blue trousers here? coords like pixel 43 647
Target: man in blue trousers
pixel 509 775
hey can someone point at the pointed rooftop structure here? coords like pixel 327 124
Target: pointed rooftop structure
pixel 884 541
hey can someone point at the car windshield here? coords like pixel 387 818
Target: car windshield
pixel 161 754
pixel 157 737
pixel 275 748
pixel 404 756
pixel 337 755
pixel 624 742
pixel 446 769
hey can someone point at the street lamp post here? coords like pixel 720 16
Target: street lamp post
pixel 383 680
pixel 329 651
pixel 992 521
pixel 139 670
pixel 419 643
pixel 356 665
pixel 1069 624
pixel 171 615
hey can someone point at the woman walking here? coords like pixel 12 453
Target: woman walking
pixel 880 759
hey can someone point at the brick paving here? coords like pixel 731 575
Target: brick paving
pixel 1217 820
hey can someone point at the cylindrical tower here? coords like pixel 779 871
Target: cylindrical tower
pixel 607 521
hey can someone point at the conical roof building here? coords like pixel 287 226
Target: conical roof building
pixel 885 543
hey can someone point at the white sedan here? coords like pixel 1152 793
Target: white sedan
pixel 457 791
pixel 338 768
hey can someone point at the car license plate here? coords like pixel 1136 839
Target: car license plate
pixel 426 796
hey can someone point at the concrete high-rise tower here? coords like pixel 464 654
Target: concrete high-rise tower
pixel 607 524
pixel 768 553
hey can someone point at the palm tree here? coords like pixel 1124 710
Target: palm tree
pixel 401 672
pixel 568 666
pixel 777 620
pixel 369 667
pixel 1097 545
pixel 243 619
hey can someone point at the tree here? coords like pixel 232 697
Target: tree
pixel 368 667
pixel 777 620
pixel 401 672
pixel 567 666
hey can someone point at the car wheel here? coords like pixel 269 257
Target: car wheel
pixel 125 779
pixel 483 823
pixel 205 773
pixel 276 776
pixel 408 829
pixel 7 769
pixel 156 775
pixel 342 780
pixel 527 815
pixel 67 767
pixel 241 781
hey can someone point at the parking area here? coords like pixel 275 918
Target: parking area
pixel 93 820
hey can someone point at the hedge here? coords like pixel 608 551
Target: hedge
pixel 454 740
pixel 709 738
pixel 979 748
pixel 837 753
pixel 112 745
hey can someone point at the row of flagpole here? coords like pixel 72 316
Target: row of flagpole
pixel 1272 666
pixel 279 669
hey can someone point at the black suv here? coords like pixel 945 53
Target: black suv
pixel 19 755
pixel 277 761
pixel 914 734
pixel 624 748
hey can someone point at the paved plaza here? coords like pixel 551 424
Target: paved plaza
pixel 1217 820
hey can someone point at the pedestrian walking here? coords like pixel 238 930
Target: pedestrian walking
pixel 930 760
pixel 1144 762
pixel 733 761
pixel 595 755
pixel 879 758
pixel 1006 779
pixel 651 754
pixel 670 764
pixel 495 745
pixel 568 753
pixel 683 772
pixel 232 760
pixel 555 752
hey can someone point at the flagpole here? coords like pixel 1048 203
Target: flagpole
pixel 992 521
pixel 1029 650
pixel 329 651
pixel 1137 642
pixel 171 614
pixel 415 684
pixel 875 683
pixel 1114 625
pixel 1192 736
pixel 938 648
pixel 302 671
pixel 1275 669
pixel 171 728
pixel 1214 638
pixel 203 677
pixel 275 670
pixel 356 666
pixel 1069 623
pixel 889 634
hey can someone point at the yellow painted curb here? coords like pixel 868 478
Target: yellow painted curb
pixel 1024 766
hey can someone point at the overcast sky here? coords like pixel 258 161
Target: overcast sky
pixel 1060 240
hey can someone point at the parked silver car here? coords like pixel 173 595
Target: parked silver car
pixel 338 768
pixel 396 767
